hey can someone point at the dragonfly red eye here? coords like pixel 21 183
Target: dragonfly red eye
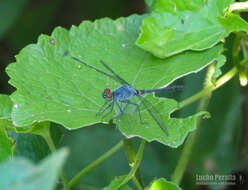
pixel 109 95
pixel 107 90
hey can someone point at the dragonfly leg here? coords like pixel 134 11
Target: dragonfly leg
pixel 136 105
pixel 103 109
pixel 121 110
pixel 112 106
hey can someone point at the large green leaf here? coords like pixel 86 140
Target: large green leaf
pixel 176 26
pixel 20 174
pixel 54 87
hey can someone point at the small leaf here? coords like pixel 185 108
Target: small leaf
pixel 115 183
pixel 233 22
pixel 5 112
pixel 161 184
pixel 6 106
pixel 7 146
pixel 174 27
pixel 21 174
pixel 220 61
pixel 149 2
pixel 30 143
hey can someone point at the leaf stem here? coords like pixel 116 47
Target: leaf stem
pixel 188 147
pixel 136 183
pixel 205 96
pixel 239 6
pixel 131 159
pixel 135 165
pixel 47 136
pixel 49 141
pixel 235 49
pixel 208 89
pixel 94 164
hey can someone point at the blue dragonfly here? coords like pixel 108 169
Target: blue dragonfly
pixel 124 93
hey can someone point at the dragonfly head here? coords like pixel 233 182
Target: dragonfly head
pixel 107 94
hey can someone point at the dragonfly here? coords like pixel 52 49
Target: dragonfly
pixel 124 93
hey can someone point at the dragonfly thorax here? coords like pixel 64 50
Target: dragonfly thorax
pixel 107 94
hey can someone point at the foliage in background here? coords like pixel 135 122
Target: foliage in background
pixel 52 87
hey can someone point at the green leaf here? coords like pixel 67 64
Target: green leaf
pixel 6 143
pixel 5 106
pixel 174 27
pixel 233 22
pixel 149 2
pixel 21 174
pixel 6 7
pixel 115 183
pixel 5 112
pixel 178 128
pixel 220 61
pixel 30 143
pixel 175 5
pixel 30 146
pixel 7 146
pixel 53 87
pixel 161 184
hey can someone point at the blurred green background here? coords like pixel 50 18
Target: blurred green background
pixel 221 147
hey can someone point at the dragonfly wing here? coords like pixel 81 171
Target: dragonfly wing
pixel 154 114
pixel 121 80
pixel 152 111
pixel 99 71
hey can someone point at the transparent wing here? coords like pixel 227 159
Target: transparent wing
pixel 115 76
pixel 148 106
pixel 154 114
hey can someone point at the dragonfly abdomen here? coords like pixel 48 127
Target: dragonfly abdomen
pixel 171 88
